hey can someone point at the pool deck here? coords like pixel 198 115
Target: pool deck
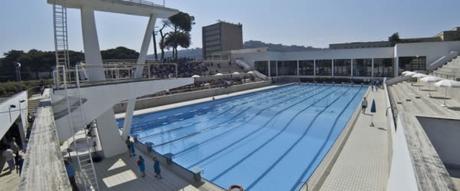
pixel 8 181
pixel 363 162
pixel 121 173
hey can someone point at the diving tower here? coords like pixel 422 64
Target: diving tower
pixel 92 93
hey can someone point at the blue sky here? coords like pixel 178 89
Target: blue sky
pixel 27 24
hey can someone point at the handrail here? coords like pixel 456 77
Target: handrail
pixel 442 60
pixel 243 64
pixel 143 2
pixel 396 80
pixel 391 122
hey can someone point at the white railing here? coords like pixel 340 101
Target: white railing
pixel 143 2
pixel 260 75
pixel 243 64
pixel 396 80
pixel 442 60
pixel 402 172
pixel 114 73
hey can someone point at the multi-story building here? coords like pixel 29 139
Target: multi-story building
pixel 222 36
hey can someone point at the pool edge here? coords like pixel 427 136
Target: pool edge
pixel 318 177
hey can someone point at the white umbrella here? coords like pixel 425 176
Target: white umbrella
pixel 419 75
pixel 219 74
pixel 431 79
pixel 236 73
pixel 446 84
pixel 250 72
pixel 195 76
pixel 408 73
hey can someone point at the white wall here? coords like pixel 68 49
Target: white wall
pixel 402 174
pixel 386 52
pixel 15 112
pixel 432 50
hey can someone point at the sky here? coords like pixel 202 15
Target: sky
pixel 27 24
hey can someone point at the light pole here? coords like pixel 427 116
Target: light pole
pixel 18 71
pixel 20 108
pixel 9 110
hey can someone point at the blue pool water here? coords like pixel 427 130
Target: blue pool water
pixel 268 140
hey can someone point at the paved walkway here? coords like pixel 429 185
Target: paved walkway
pixel 363 163
pixel 43 167
pixel 121 173
pixel 8 181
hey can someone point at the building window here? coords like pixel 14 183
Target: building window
pixel 287 68
pixel 262 67
pixel 362 67
pixel 412 63
pixel 342 67
pixel 383 67
pixel 324 67
pixel 306 67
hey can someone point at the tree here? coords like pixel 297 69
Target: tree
pixel 181 25
pixel 163 35
pixel 119 53
pixel 176 39
pixel 154 38
pixel 394 38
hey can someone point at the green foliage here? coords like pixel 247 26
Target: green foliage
pixel 11 88
pixel 35 61
pixel 181 25
pixel 119 53
pixel 182 21
pixel 175 39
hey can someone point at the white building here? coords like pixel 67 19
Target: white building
pixel 355 63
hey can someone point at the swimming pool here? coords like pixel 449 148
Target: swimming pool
pixel 268 140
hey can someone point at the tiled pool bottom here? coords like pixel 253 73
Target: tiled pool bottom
pixel 268 140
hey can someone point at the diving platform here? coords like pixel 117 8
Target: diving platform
pixel 98 99
pixel 130 7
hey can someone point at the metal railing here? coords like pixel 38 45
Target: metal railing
pixel 112 73
pixel 143 2
pixel 442 60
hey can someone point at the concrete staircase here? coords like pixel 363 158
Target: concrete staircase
pixel 223 66
pixel 32 105
pixel 451 70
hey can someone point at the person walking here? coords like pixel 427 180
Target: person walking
pixel 19 161
pixel 8 155
pixel 141 164
pixel 71 174
pixel 364 105
pixel 156 168
pixel 14 146
pixel 130 146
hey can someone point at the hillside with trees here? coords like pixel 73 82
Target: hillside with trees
pixel 37 64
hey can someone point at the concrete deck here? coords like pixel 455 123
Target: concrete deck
pixel 121 173
pixel 410 102
pixel 8 181
pixel 363 162
pixel 43 167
